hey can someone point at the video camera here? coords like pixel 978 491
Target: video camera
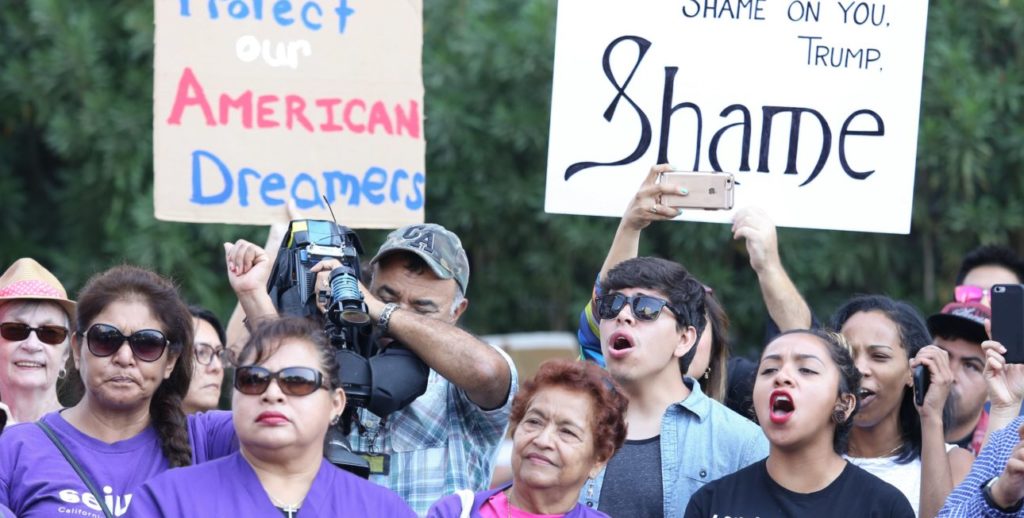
pixel 380 380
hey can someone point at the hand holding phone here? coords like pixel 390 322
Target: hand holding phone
pixel 922 380
pixel 709 191
pixel 1008 320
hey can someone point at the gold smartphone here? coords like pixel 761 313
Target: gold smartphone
pixel 708 191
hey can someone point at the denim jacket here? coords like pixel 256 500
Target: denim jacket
pixel 701 440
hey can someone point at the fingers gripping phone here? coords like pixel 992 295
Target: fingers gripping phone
pixel 1008 320
pixel 922 380
pixel 708 191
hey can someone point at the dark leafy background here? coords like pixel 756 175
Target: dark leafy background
pixel 76 165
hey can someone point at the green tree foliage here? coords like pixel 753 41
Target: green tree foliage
pixel 76 165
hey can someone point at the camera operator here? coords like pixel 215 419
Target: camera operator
pixel 447 438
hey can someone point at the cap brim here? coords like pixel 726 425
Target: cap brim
pixel 438 270
pixel 957 327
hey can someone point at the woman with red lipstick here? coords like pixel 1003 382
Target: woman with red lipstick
pixel 566 423
pixel 287 393
pixel 892 437
pixel 805 397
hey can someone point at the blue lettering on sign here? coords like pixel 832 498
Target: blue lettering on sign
pixel 376 186
pixel 284 13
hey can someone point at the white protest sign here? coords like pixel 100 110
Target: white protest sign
pixel 813 105
pixel 258 102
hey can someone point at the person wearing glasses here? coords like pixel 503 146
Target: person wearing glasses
pixel 35 319
pixel 211 357
pixel 133 356
pixel 287 393
pixel 709 362
pixel 987 266
pixel 651 315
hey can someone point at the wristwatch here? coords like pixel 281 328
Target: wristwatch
pixel 385 317
pixel 986 492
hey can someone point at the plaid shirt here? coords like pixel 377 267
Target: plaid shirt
pixel 966 499
pixel 441 443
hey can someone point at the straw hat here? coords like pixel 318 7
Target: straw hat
pixel 28 280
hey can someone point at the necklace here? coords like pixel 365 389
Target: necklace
pixel 508 503
pixel 291 509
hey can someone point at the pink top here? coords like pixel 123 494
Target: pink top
pixel 497 507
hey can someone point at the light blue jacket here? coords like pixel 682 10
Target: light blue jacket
pixel 701 440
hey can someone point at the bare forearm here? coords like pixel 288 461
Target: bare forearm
pixel 936 475
pixel 625 245
pixel 460 357
pixel 784 302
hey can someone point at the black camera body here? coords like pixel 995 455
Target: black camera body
pixel 380 380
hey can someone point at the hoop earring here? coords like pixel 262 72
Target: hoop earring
pixel 62 373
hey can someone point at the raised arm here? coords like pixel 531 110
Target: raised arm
pixel 1005 383
pixel 461 358
pixel 644 208
pixel 784 302
pixel 940 471
pixel 249 267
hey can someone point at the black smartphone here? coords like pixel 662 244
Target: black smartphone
pixel 1008 320
pixel 921 382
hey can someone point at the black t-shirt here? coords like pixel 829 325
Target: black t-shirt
pixel 751 493
pixel 632 486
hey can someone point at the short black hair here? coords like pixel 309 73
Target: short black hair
pixel 685 293
pixel 991 255
pixel 210 318
pixel 913 337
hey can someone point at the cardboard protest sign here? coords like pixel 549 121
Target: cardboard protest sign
pixel 813 105
pixel 258 102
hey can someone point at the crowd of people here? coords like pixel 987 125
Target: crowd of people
pixel 112 401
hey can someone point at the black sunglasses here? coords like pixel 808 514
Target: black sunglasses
pixel 17 331
pixel 294 381
pixel 645 307
pixel 147 344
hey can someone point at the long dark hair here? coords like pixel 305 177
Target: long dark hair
pixel 130 283
pixel 913 336
pixel 716 384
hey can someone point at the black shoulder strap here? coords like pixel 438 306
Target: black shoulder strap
pixel 78 469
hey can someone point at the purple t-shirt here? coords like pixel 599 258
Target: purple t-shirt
pixel 36 480
pixel 229 487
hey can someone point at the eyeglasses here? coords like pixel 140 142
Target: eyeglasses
pixel 17 331
pixel 205 353
pixel 294 381
pixel 968 293
pixel 644 307
pixel 147 344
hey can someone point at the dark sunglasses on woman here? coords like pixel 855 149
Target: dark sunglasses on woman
pixel 17 331
pixel 104 340
pixel 644 307
pixel 294 381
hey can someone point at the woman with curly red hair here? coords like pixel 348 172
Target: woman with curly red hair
pixel 566 423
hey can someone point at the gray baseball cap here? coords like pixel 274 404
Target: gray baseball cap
pixel 438 246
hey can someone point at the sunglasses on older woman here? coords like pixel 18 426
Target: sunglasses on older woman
pixel 147 344
pixel 254 380
pixel 17 331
